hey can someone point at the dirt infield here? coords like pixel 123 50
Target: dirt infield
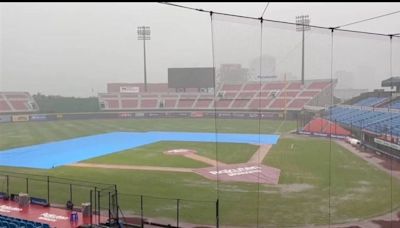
pixel 260 154
pixel 244 172
pixel 251 171
pixel 132 167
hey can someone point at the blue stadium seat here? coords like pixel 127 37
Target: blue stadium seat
pixel 381 122
pixel 393 105
pixel 370 101
pixel 10 222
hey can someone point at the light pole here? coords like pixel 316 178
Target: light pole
pixel 143 33
pixel 302 25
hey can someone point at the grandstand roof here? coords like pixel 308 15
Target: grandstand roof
pixel 392 81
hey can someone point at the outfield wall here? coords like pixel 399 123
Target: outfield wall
pixel 146 115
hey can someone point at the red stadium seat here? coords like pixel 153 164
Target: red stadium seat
pixel 274 95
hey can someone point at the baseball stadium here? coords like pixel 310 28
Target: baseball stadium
pixel 248 126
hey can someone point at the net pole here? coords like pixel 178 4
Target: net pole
pixel 330 135
pixel 215 100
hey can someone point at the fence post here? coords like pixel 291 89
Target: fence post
pixel 91 208
pixel 48 190
pixel 98 206
pixel 70 193
pixel 177 213
pixel 141 211
pixel 217 212
pixel 27 185
pixel 95 200
pixel 109 208
pixel 116 202
pixel 8 182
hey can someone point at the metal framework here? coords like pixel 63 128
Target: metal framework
pixel 143 33
pixel 302 25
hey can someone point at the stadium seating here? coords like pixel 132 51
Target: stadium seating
pixel 239 103
pixel 275 86
pixel 370 101
pixel 111 104
pixel 246 95
pixel 4 106
pixel 10 222
pixel 186 103
pixel 318 85
pixel 148 103
pixel 260 103
pixel 203 103
pixel 128 104
pixel 294 86
pixel 263 94
pixel 170 103
pixel 223 103
pixel 17 102
pixel 298 103
pixel 289 94
pixel 231 87
pixel 252 87
pixel 378 121
pixel 394 104
pixel 308 93
pixel 279 103
pixel 277 95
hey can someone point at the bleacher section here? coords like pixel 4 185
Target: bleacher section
pixel 17 102
pixel 10 222
pixel 394 104
pixel 373 120
pixel 370 101
pixel 279 95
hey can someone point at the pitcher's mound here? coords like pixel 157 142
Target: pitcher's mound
pixel 245 172
pixel 180 152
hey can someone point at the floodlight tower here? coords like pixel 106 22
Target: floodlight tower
pixel 143 33
pixel 302 25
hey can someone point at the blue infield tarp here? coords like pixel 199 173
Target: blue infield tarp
pixel 58 153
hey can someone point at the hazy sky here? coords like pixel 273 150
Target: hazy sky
pixel 74 49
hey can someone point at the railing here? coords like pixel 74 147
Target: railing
pixel 56 192
pixel 141 210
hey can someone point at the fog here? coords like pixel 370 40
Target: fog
pixel 75 49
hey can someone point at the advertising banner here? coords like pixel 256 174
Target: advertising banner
pixel 38 117
pixel 386 143
pixel 129 89
pixel 20 118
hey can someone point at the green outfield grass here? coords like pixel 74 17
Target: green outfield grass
pixel 152 155
pixel 29 133
pixel 318 177
pixel 357 188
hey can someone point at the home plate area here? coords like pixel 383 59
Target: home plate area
pixel 251 172
pixel 244 172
